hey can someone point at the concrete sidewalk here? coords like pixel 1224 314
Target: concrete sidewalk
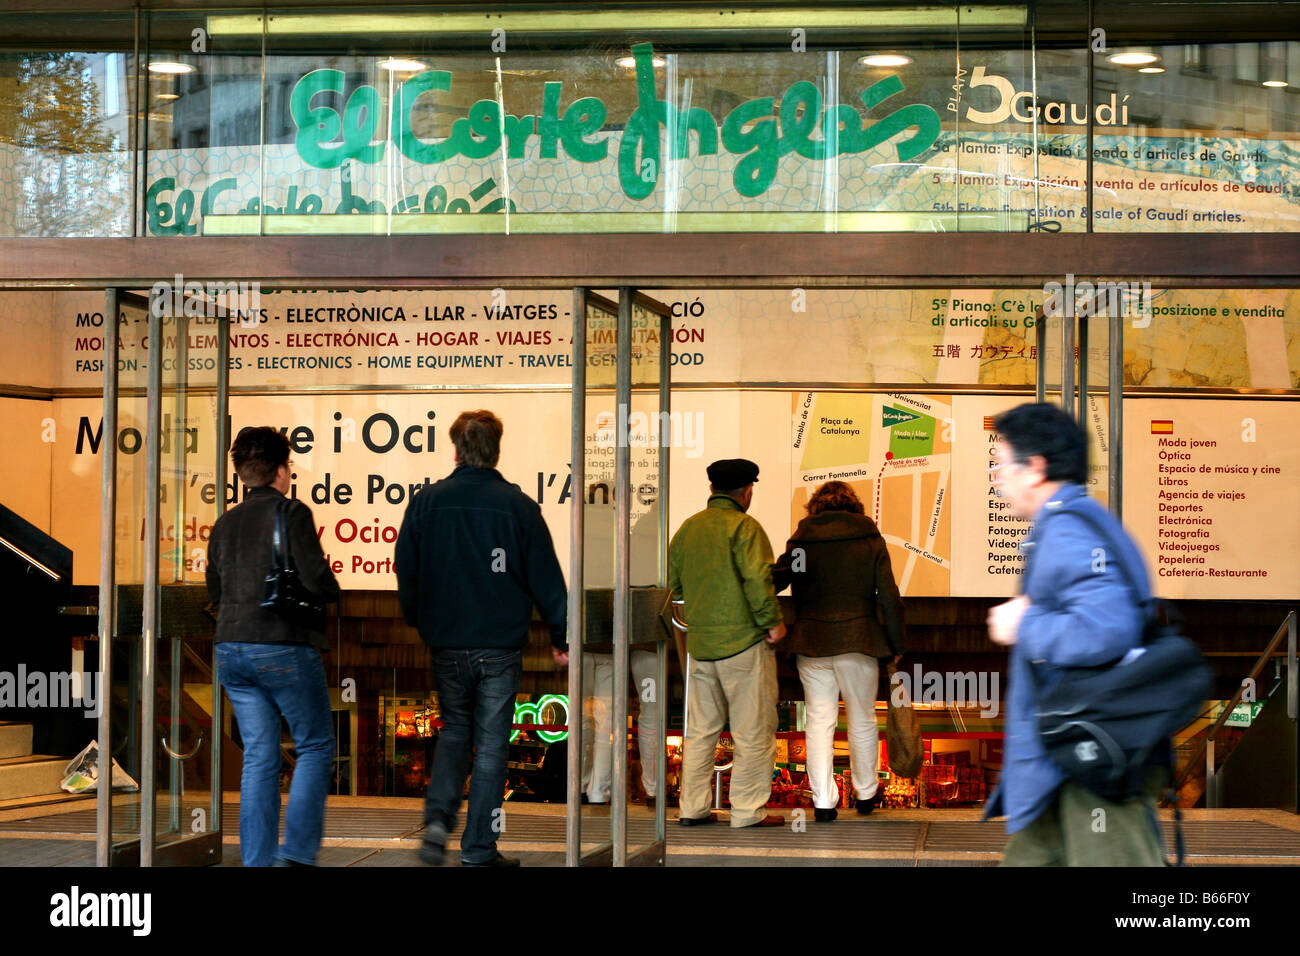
pixel 385 831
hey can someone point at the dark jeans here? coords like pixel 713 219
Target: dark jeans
pixel 476 693
pixel 264 681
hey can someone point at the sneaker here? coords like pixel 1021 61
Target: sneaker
pixel 497 860
pixel 866 806
pixel 433 851
pixel 824 816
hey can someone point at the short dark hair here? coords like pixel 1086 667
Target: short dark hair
pixel 477 437
pixel 258 454
pixel 835 496
pixel 1047 430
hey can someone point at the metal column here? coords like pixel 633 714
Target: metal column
pixel 661 677
pixel 220 474
pixel 1115 393
pixel 107 584
pixel 1067 358
pixel 150 615
pixel 622 540
pixel 577 593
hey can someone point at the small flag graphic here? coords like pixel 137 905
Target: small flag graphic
pixel 1162 426
pixel 988 422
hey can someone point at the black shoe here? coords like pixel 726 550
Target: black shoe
pixel 433 850
pixel 497 860
pixel 650 803
pixel 824 816
pixel 866 806
pixel 697 821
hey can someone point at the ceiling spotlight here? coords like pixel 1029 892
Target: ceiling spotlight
pixel 1276 84
pixel 1138 57
pixel 170 66
pixel 885 59
pixel 1152 69
pixel 629 63
pixel 169 96
pixel 394 65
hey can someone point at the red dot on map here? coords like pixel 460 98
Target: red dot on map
pixel 889 456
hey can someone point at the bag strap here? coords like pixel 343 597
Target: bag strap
pixel 280 537
pixel 1147 604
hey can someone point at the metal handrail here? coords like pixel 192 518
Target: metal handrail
pixel 1287 627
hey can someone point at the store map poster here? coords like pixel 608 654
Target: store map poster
pixel 895 451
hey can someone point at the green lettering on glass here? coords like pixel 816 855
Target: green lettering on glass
pixel 582 118
pixel 165 218
pixel 751 130
pixel 322 125
pixel 414 148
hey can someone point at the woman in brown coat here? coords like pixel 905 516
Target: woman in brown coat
pixel 848 613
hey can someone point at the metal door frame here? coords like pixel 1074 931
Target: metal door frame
pixel 144 850
pixel 615 852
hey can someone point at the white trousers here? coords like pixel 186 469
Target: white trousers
pixel 598 721
pixel 825 679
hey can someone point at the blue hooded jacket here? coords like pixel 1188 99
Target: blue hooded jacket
pixel 1083 613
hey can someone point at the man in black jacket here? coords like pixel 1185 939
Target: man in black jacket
pixel 473 557
pixel 268 665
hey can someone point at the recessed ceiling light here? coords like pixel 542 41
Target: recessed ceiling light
pixel 629 63
pixel 1133 58
pixel 885 59
pixel 170 66
pixel 394 65
pixel 169 96
pixel 1278 84
pixel 1152 69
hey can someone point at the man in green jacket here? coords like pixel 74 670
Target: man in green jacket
pixel 720 571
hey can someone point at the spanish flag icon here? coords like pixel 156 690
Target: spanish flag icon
pixel 1162 426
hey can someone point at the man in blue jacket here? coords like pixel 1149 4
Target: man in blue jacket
pixel 473 557
pixel 1075 609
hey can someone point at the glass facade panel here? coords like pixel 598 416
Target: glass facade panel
pixel 935 117
pixel 67 94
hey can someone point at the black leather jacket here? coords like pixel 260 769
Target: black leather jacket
pixel 239 559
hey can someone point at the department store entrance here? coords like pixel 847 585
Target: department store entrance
pixel 166 479
pixel 603 364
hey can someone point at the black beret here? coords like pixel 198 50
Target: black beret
pixel 732 473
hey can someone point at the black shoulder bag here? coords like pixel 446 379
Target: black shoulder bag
pixel 1106 726
pixel 285 593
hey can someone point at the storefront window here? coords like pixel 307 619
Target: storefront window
pixel 66 107
pixel 935 117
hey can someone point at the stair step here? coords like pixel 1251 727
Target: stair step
pixel 15 740
pixel 30 776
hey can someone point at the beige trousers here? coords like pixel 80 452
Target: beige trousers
pixel 740 691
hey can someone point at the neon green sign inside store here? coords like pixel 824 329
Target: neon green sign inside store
pixel 757 130
pixel 534 711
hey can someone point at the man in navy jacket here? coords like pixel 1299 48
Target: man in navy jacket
pixel 1076 609
pixel 473 557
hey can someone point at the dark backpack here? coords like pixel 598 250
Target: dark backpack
pixel 1106 726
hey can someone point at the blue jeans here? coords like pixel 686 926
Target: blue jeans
pixel 263 682
pixel 476 692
